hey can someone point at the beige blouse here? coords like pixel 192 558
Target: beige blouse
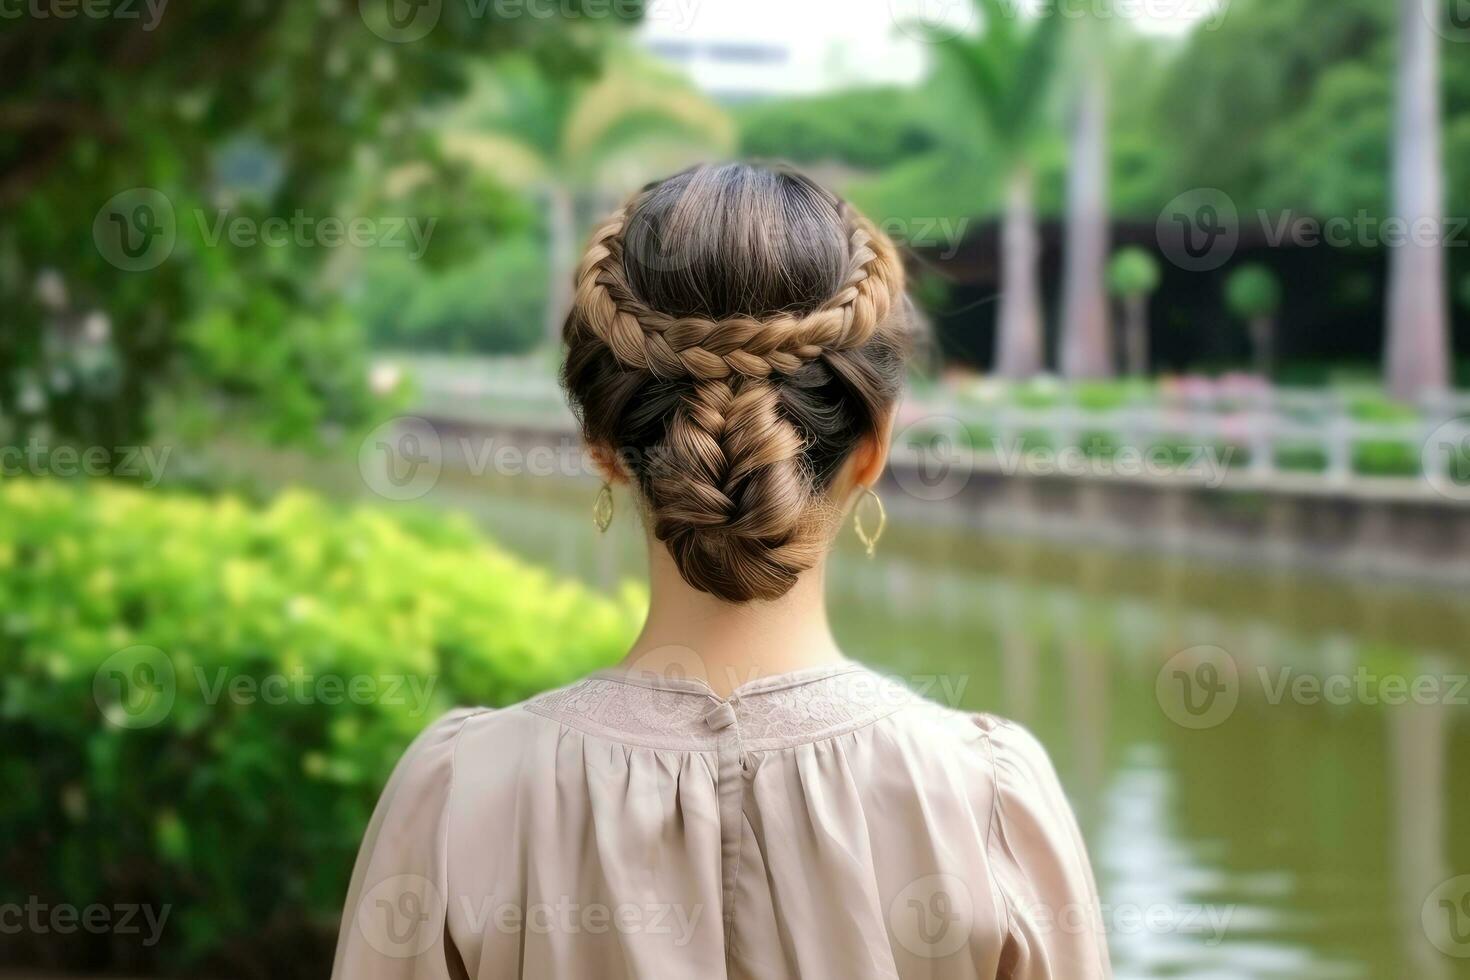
pixel 823 824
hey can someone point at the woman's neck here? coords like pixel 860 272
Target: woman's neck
pixel 693 634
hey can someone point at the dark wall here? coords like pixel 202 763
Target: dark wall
pixel 1332 314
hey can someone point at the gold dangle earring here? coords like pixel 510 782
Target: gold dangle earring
pixel 870 541
pixel 602 508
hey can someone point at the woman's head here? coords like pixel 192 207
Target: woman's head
pixel 738 335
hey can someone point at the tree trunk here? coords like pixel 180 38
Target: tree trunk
pixel 1263 344
pixel 1018 351
pixel 1418 355
pixel 1135 333
pixel 561 231
pixel 1086 341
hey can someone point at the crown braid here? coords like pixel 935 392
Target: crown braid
pixel 703 348
pixel 734 420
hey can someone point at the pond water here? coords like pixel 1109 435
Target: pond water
pixel 1272 770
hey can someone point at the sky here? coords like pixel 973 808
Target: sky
pixel 837 43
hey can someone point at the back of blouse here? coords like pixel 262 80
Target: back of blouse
pixel 823 824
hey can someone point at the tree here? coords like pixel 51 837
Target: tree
pixel 1418 349
pixel 1007 73
pixel 1133 275
pixel 559 139
pixel 157 131
pixel 1253 293
pixel 1086 339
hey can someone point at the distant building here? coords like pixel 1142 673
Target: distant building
pixel 740 50
pixel 728 71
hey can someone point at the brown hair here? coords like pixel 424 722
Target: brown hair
pixel 737 330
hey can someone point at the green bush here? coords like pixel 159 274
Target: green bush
pixel 346 631
pixel 1301 457
pixel 492 304
pixel 1107 396
pixel 872 128
pixel 1099 444
pixel 1386 457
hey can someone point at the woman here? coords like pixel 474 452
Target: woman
pixel 737 799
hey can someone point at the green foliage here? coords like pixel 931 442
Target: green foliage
pixel 254 111
pixel 1386 457
pixel 1008 73
pixel 1301 457
pixel 1133 271
pixel 1253 290
pixel 491 304
pixel 1232 87
pixel 241 811
pixel 869 128
pixel 1378 407
pixel 1109 395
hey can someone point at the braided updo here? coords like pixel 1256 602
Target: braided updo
pixel 736 332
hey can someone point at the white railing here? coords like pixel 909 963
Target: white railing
pixel 1254 420
pixel 1434 441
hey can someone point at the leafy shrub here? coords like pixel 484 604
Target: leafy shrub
pixel 1107 396
pixel 492 304
pixel 134 774
pixel 1099 444
pixel 1301 457
pixel 1380 408
pixel 872 128
pixel 1386 457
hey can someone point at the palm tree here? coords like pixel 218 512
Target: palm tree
pixel 1418 345
pixel 1007 72
pixel 1253 293
pixel 561 139
pixel 1133 275
pixel 1086 340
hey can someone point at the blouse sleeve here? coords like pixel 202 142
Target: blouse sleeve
pixel 394 922
pixel 1054 922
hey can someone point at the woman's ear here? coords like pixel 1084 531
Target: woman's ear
pixel 607 464
pixel 871 454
